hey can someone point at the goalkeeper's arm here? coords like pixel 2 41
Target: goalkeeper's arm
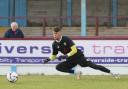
pixel 73 51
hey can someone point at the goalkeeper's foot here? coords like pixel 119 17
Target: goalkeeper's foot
pixel 116 76
pixel 78 75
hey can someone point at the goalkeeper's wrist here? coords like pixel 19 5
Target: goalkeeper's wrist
pixel 68 55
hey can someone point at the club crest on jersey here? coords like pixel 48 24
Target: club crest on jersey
pixel 65 43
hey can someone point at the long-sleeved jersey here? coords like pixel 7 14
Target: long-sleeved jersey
pixel 65 46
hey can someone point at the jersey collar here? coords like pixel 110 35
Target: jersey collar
pixel 59 40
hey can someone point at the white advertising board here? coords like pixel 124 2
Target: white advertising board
pixel 35 51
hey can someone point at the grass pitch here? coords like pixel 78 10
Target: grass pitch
pixel 65 82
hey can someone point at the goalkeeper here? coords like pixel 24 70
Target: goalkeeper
pixel 72 55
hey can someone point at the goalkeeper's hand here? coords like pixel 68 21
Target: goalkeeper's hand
pixel 62 57
pixel 46 60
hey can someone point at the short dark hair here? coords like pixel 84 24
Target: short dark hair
pixel 57 29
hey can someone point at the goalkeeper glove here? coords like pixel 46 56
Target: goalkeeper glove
pixel 46 60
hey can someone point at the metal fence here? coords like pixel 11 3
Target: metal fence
pixel 50 21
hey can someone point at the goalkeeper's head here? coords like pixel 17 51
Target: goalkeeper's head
pixel 57 33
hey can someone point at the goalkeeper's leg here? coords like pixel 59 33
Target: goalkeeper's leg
pixel 65 67
pixel 85 63
pixel 102 68
pixel 68 68
pixel 98 67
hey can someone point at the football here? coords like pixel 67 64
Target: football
pixel 12 77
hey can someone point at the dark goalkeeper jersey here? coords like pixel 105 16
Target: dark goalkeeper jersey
pixel 64 46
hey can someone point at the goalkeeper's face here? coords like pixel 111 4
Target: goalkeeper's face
pixel 57 35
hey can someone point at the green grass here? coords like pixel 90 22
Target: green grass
pixel 65 82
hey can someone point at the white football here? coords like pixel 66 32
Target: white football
pixel 12 77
